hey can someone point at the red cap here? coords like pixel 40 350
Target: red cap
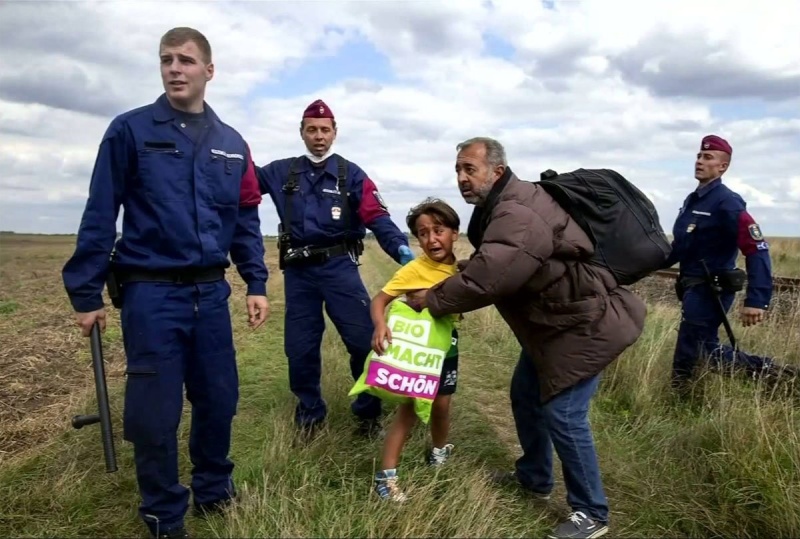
pixel 318 109
pixel 713 142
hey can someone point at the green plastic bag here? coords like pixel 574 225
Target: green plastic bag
pixel 411 367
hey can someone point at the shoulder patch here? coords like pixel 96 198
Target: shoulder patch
pixel 755 232
pixel 379 200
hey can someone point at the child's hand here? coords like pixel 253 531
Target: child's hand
pixel 381 335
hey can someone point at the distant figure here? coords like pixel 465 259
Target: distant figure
pixel 435 225
pixel 570 317
pixel 711 225
pixel 325 204
pixel 191 198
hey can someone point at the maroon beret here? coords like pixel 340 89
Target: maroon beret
pixel 318 109
pixel 713 142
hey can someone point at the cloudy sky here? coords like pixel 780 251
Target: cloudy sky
pixel 631 85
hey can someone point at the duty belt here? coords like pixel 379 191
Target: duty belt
pixel 311 255
pixel 177 276
pixel 687 281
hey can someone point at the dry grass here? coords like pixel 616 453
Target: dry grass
pixel 45 366
pixel 725 463
pixel 785 256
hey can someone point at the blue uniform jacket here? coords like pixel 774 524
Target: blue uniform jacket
pixel 317 204
pixel 712 224
pixel 185 205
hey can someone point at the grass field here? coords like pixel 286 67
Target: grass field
pixel 726 463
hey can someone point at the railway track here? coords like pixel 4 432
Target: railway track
pixel 789 284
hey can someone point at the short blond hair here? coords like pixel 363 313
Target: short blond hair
pixel 180 35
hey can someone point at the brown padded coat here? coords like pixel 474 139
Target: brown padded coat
pixel 571 317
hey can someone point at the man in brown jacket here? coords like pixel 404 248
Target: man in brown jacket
pixel 571 318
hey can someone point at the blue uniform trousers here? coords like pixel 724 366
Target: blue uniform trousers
pixel 563 423
pixel 338 284
pixel 698 336
pixel 175 335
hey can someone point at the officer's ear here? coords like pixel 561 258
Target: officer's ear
pixel 209 71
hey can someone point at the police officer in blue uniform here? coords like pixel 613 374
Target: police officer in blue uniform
pixel 325 203
pixel 190 194
pixel 712 225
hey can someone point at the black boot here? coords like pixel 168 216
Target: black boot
pixel 370 428
pixel 202 510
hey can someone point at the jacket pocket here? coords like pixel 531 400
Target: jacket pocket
pixel 225 175
pixel 142 418
pixel 165 174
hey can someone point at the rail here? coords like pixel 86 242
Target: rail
pixel 790 284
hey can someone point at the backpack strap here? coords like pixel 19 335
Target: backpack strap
pixel 341 187
pixel 289 188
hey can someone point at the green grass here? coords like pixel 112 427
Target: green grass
pixel 725 463
pixel 8 307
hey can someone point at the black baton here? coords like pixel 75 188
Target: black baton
pixel 104 416
pixel 715 288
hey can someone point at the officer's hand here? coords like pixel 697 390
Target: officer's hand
pixel 751 315
pixel 462 264
pixel 86 320
pixel 257 310
pixel 381 336
pixel 406 255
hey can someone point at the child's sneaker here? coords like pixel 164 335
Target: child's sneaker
pixel 439 455
pixel 386 486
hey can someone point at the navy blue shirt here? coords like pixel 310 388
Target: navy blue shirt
pixel 193 124
pixel 190 199
pixel 713 224
pixel 317 206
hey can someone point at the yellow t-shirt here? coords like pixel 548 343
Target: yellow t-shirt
pixel 421 273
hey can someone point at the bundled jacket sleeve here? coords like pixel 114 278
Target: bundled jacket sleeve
pixel 247 248
pixel 84 274
pixel 374 213
pixel 515 245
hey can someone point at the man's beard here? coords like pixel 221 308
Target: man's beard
pixel 479 196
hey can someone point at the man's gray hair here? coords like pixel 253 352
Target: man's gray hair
pixel 495 153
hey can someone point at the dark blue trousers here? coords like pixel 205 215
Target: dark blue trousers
pixel 562 422
pixel 178 335
pixel 336 283
pixel 698 336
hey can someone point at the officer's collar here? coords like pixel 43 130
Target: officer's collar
pixel 703 190
pixel 163 111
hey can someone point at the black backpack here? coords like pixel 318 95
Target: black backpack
pixel 619 219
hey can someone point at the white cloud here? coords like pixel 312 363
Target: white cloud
pixel 622 84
